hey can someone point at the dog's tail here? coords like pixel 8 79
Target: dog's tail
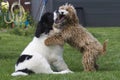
pixel 105 46
pixel 23 72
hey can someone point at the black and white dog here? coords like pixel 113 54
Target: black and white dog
pixel 37 57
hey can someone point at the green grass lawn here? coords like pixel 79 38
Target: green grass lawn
pixel 12 45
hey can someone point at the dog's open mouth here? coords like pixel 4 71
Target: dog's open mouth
pixel 60 18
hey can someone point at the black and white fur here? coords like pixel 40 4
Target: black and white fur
pixel 37 57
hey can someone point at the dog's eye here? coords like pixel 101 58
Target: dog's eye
pixel 67 9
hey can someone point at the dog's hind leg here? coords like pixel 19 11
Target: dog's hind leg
pixel 88 62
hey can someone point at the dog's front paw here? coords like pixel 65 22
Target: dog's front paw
pixel 46 42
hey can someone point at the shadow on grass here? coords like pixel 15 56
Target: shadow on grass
pixel 108 69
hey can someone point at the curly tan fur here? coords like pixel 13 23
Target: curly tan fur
pixel 77 36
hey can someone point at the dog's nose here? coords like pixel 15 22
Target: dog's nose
pixel 62 13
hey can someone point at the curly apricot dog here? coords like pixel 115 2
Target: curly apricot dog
pixel 69 30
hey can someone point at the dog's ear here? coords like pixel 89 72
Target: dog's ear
pixel 39 30
pixel 41 26
pixel 45 24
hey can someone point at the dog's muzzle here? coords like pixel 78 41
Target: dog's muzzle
pixel 59 16
pixel 63 12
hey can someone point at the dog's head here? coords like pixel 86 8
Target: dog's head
pixel 66 14
pixel 45 24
